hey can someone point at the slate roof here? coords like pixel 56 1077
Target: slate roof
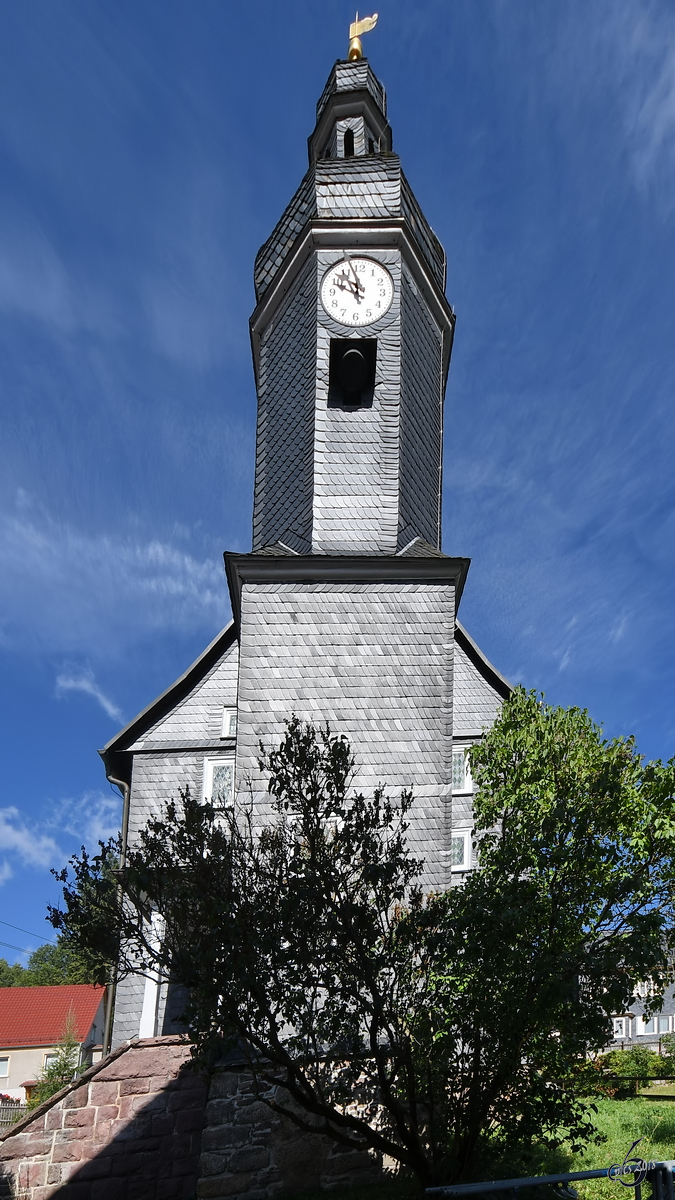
pixel 37 1016
pixel 117 763
pixel 361 188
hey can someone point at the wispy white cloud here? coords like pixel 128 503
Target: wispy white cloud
pixel 67 592
pixel 187 290
pixel 642 37
pixel 32 848
pixel 90 818
pixel 35 282
pixel 84 681
pixel 43 843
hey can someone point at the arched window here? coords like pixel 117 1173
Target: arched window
pixel 349 143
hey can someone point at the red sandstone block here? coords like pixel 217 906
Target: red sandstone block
pixel 175 1189
pixel 67 1172
pixel 161 1124
pixel 32 1175
pixel 121 1131
pixel 184 1166
pixel 106 1112
pixel 161 1083
pixel 65 1152
pixel 77 1099
pixel 54 1118
pixel 131 1105
pixel 106 1189
pixel 223 1185
pixel 130 1087
pixel 179 1100
pixel 135 1165
pixel 103 1093
pixel 187 1121
pixel 54 1173
pixel 43 1193
pixel 35 1144
pixel 96 1168
pixel 101 1133
pixel 79 1118
pixel 153 1061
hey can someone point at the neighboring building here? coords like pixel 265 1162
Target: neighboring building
pixel 33 1019
pixel 346 609
pixel 634 1028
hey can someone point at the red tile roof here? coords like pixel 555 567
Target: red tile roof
pixel 37 1016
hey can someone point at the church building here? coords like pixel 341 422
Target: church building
pixel 345 610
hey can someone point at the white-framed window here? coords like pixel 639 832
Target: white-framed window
pixel 644 990
pixel 49 1060
pixel 219 781
pixel 4 1068
pixel 646 1025
pixel 229 729
pixel 663 1024
pixel 461 772
pixel 619 1027
pixel 460 850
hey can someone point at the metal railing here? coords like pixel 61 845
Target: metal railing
pixel 658 1174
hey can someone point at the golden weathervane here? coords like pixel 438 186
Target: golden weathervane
pixel 355 30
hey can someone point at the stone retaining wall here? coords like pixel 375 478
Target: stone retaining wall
pixel 250 1152
pixel 129 1128
pixel 141 1125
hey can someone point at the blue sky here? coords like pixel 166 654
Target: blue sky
pixel 147 149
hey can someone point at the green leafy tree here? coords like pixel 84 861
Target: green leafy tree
pixel 572 906
pixel 63 1067
pixel 64 962
pixel 631 1069
pixel 10 974
pixel 416 1026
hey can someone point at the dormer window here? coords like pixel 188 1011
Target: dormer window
pixel 349 143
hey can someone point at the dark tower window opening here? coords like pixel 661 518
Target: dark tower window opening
pixel 349 143
pixel 351 372
pixel 371 146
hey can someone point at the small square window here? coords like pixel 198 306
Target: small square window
pixel 50 1059
pixel 460 851
pixel 619 1027
pixel 663 1023
pixel 229 729
pixel 4 1068
pixel 219 781
pixel 646 1025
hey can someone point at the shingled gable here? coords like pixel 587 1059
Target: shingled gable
pixel 117 754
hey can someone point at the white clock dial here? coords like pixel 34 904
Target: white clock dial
pixel 357 291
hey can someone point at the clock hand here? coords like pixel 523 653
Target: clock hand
pixel 357 282
pixel 346 284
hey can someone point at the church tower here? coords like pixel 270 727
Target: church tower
pixel 345 611
pixel 351 343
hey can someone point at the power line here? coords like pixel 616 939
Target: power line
pixel 28 931
pixel 11 947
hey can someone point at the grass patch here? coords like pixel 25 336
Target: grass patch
pixel 620 1121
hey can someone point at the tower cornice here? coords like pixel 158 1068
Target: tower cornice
pixel 394 569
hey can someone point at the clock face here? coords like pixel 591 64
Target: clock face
pixel 357 291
